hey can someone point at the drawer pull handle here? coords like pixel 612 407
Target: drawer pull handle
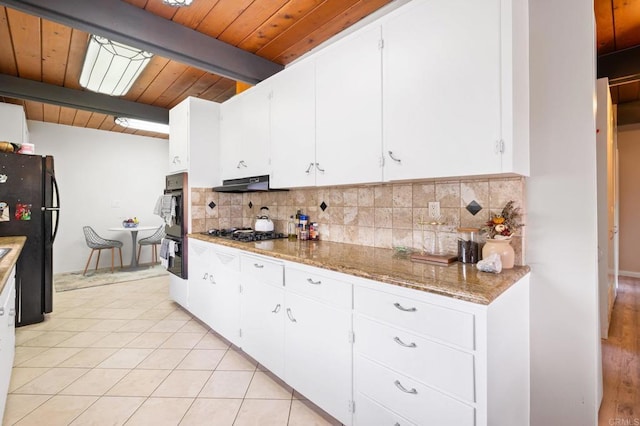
pixel 291 318
pixel 402 308
pixel 205 276
pixel 211 279
pixel 310 281
pixel 1 311
pixel 401 343
pixel 259 266
pixel 412 391
pixel 276 309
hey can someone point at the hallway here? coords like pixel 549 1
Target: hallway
pixel 621 359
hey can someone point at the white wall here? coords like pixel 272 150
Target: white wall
pixel 561 215
pixel 104 177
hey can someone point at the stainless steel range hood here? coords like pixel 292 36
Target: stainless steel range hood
pixel 249 184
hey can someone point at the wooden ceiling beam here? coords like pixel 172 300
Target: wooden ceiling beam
pixel 621 66
pixel 21 88
pixel 122 22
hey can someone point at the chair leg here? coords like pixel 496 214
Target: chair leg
pixel 88 260
pixel 98 260
pixel 113 253
pixel 139 249
pixel 120 250
pixel 155 253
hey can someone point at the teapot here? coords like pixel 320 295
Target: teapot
pixel 263 223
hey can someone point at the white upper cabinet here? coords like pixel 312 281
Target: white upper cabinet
pixel 13 124
pixel 293 127
pixel 448 89
pixel 349 110
pixel 194 141
pixel 246 133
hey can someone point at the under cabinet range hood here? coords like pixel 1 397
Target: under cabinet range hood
pixel 249 184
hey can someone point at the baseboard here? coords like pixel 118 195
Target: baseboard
pixel 629 274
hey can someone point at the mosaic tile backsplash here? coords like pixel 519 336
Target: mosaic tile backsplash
pixel 385 215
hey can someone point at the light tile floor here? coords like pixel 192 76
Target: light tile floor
pixel 126 354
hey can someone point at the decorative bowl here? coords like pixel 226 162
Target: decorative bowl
pixel 129 225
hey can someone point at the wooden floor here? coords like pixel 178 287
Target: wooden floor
pixel 621 359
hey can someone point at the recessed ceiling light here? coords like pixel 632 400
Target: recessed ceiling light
pixel 149 126
pixel 111 67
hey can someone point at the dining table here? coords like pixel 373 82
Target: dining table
pixel 134 239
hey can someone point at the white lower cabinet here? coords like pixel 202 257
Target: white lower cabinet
pixel 7 336
pixel 370 353
pixel 214 288
pixel 425 359
pixel 261 312
pixel 318 339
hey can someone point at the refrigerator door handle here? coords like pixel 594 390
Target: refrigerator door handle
pixel 56 208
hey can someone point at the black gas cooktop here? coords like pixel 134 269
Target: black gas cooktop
pixel 244 234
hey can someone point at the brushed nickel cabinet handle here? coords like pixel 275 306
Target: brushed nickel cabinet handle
pixel 241 163
pixel 310 281
pixel 397 160
pixel 276 309
pixel 401 343
pixel 318 167
pixel 412 391
pixel 309 168
pixel 402 308
pixel 291 318
pixel 257 265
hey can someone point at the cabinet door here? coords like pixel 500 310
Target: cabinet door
pixel 441 109
pixel 225 311
pixel 261 321
pixel 13 125
pixel 293 127
pixel 230 137
pixel 7 336
pixel 348 111
pixel 245 134
pixel 254 152
pixel 318 353
pixel 179 138
pixel 202 282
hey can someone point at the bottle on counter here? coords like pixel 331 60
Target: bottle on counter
pixel 313 231
pixel 304 227
pixel 291 229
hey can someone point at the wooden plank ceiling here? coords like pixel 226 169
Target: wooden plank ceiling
pixel 618 28
pixel 278 30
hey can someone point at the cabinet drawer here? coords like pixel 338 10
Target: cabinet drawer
pixel 370 413
pixel 335 292
pixel 448 325
pixel 263 270
pixel 434 364
pixel 417 402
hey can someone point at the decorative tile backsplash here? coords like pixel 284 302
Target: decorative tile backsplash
pixel 385 215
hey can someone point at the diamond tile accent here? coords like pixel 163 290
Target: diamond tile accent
pixel 250 205
pixel 323 206
pixel 473 207
pixel 211 205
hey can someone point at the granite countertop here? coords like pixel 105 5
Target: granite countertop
pixel 457 280
pixel 10 259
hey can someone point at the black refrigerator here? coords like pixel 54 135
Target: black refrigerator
pixel 29 206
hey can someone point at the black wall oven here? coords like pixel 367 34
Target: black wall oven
pixel 177 186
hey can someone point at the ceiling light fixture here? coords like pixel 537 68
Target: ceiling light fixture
pixel 177 3
pixel 111 67
pixel 149 126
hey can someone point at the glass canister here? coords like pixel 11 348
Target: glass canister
pixel 468 246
